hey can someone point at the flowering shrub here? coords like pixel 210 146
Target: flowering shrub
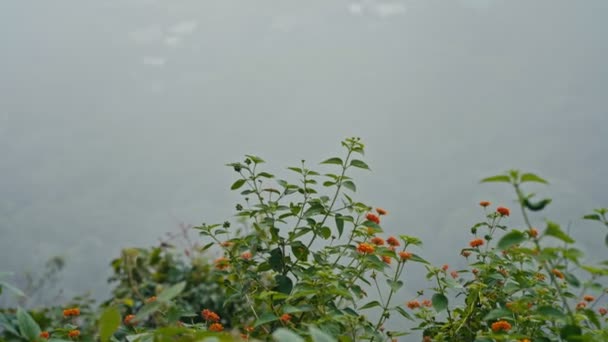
pixel 301 257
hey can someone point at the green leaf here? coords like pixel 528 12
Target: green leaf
pixel 239 183
pixel 172 292
pixel 255 159
pixel 554 230
pixel 530 177
pixel 349 185
pixel 285 335
pixel 12 289
pixel 339 224
pixel 147 310
pixel 359 163
pixel 551 313
pixel 500 178
pixel 594 217
pixel 284 284
pixel 371 304
pixel 513 237
pixel 109 322
pixel 27 325
pixel 395 285
pixel 403 313
pixel 572 279
pixel 571 333
pixel 440 302
pixel 299 250
pixel 266 317
pixel 335 160
pixel 498 313
pixel 319 336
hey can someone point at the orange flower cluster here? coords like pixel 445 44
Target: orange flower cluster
pixel 476 243
pixel 581 305
pixel 588 298
pixel 222 263
pixel 484 203
pixel 413 304
pixel 465 254
pixel 427 303
pixel 365 248
pixel 71 312
pixel 129 319
pixel 246 255
pixel 381 211
pixel 216 327
pixel 151 299
pixel 533 232
pixel 454 274
pixel 45 335
pixel 387 259
pixel 285 318
pixel 73 333
pixel 392 241
pixel 445 267
pixel 210 316
pixel 373 217
pixel 501 325
pixel 558 273
pixel 503 211
pixel 378 241
pixel 602 311
pixel 405 255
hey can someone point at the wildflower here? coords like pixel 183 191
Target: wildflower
pixel 533 232
pixel 539 276
pixel 378 241
pixel 381 211
pixel 71 312
pixel 45 335
pixel 129 319
pixel 285 318
pixel 222 263
pixel 386 259
pixel 244 337
pixel 504 272
pixel 392 241
pixel 558 273
pixel 581 305
pixel 216 327
pixel 476 243
pixel 249 329
pixel 504 211
pixel 365 248
pixel 210 316
pixel 413 304
pixel 373 217
pixel 484 203
pixel 465 254
pixel 151 299
pixel 227 244
pixel 73 333
pixel 475 271
pixel 427 303
pixel 602 311
pixel 392 248
pixel 246 255
pixel 405 255
pixel 501 325
pixel 445 267
pixel 454 274
pixel 588 298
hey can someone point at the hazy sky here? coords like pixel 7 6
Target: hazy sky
pixel 117 116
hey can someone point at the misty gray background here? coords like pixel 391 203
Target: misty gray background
pixel 117 116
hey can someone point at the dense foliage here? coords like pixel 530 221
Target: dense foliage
pixel 300 257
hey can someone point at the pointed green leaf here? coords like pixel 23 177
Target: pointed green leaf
pixel 498 313
pixel 594 217
pixel 335 160
pixel 349 185
pixel 554 230
pixel 550 312
pixel 239 183
pixel 371 304
pixel 255 159
pixel 572 280
pixel 530 177
pixel 319 336
pixel 395 285
pixel 109 322
pixel 27 325
pixel 440 302
pixel 500 178
pixel 266 317
pixel 359 163
pixel 339 224
pixel 172 292
pixel 285 335
pixel 12 289
pixel 513 237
